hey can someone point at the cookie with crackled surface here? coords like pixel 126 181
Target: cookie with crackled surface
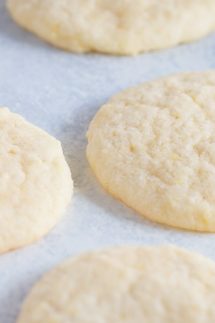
pixel 153 147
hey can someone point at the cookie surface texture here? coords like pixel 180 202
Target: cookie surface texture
pixel 35 182
pixel 115 26
pixel 126 285
pixel 153 147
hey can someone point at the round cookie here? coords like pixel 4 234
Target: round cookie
pixel 35 182
pixel 126 285
pixel 115 26
pixel 153 147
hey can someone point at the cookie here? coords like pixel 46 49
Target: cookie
pixel 127 284
pixel 115 26
pixel 35 182
pixel 153 147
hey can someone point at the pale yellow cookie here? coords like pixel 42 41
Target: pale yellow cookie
pixel 35 182
pixel 115 26
pixel 126 285
pixel 153 147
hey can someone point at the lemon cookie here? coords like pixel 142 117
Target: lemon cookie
pixel 35 182
pixel 126 285
pixel 153 147
pixel 115 26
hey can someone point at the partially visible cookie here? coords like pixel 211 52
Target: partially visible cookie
pixel 115 26
pixel 126 285
pixel 35 182
pixel 153 147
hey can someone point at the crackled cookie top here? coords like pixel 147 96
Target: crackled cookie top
pixel 35 182
pixel 126 285
pixel 115 26
pixel 153 147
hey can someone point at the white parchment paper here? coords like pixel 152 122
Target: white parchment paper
pixel 61 92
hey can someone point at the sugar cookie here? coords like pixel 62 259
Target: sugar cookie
pixel 115 26
pixel 126 285
pixel 153 147
pixel 35 182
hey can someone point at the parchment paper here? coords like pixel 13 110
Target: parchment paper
pixel 61 92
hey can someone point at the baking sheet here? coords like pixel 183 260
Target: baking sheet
pixel 61 92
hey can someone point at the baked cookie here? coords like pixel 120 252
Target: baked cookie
pixel 35 182
pixel 126 285
pixel 115 26
pixel 153 147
